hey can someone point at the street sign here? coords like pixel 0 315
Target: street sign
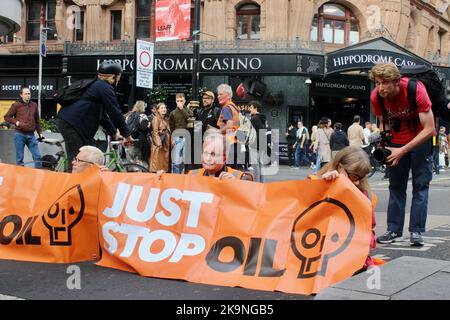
pixel 144 64
pixel 43 44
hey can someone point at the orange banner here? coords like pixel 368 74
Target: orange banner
pixel 173 20
pixel 47 216
pixel 293 236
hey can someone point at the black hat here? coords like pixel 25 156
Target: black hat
pixel 323 120
pixel 109 67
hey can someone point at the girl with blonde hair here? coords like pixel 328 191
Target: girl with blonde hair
pixel 353 163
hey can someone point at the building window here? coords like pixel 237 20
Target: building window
pixel 79 27
pixel 335 24
pixel 8 38
pixel 33 19
pixel 248 17
pixel 143 8
pixel 116 25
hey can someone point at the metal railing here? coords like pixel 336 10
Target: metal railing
pixel 180 47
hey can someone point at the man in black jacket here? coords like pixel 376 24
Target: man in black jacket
pixel 291 137
pixel 79 121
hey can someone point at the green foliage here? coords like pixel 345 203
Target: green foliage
pixel 48 125
pixel 157 95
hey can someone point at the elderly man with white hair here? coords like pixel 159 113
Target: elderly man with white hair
pixel 87 157
pixel 228 122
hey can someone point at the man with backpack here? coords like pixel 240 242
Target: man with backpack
pixel 411 128
pixel 302 137
pixel 98 105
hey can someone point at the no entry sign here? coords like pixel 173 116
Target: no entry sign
pixel 144 64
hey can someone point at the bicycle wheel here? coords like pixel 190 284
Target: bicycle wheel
pixel 40 165
pixel 131 167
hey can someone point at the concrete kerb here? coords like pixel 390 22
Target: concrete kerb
pixel 398 279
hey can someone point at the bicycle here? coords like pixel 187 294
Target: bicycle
pixel 116 164
pixel 60 163
pixel 48 161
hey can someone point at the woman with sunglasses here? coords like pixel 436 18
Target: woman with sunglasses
pixel 353 163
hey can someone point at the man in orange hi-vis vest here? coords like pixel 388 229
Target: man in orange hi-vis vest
pixel 214 157
pixel 228 122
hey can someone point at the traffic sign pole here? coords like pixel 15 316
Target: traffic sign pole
pixel 42 53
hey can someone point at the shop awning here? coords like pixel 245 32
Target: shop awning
pixel 364 55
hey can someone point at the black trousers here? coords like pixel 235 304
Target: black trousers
pixel 72 139
pixel 291 154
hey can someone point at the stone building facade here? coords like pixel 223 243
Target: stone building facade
pixel 421 26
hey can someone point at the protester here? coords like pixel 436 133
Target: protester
pixel 352 162
pixel 178 119
pixel 228 122
pixel 138 123
pixel 86 157
pixel 98 105
pixel 411 149
pixel 338 140
pixel 214 158
pixel 355 133
pixel 24 114
pixel 161 140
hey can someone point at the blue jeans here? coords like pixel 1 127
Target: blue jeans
pixel 178 155
pixel 21 140
pixel 300 154
pixel 420 162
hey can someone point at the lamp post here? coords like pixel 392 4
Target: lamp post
pixel 308 82
pixel 196 55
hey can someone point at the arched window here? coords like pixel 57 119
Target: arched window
pixel 247 22
pixel 335 24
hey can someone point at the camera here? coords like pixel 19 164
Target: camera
pixel 381 141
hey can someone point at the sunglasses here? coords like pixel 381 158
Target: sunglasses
pixel 82 161
pixel 354 177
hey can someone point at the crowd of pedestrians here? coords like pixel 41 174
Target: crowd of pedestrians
pixel 317 149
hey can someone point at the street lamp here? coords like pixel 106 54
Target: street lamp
pixel 308 83
pixel 42 53
pixel 196 56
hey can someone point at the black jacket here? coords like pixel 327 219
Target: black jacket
pixel 338 140
pixel 97 106
pixel 292 136
pixel 258 121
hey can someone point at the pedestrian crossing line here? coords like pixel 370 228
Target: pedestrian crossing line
pixel 5 297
